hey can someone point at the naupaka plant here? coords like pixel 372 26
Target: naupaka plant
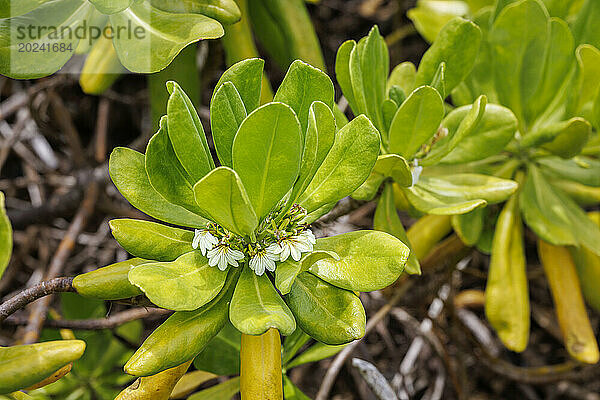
pixel 252 257
pixel 546 71
pixel 419 130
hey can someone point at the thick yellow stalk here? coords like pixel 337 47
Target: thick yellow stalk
pixel 568 301
pixel 261 377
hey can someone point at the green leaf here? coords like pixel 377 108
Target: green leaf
pixel 183 335
pixel 11 8
pixel 429 17
pixel 346 166
pixel 585 30
pixel 458 193
pixel 565 139
pixel 457 45
pixel 368 260
pixel 256 306
pixel 246 76
pixel 317 352
pixel 342 72
pixel 369 188
pixel 558 60
pixel 318 141
pixel 187 135
pixel 469 226
pixel 395 167
pixel 6 240
pixel 518 38
pixel 386 219
pixel 266 155
pixel 30 64
pixel 585 170
pixel 588 83
pixel 150 240
pixel 111 6
pixel 227 111
pixel 416 121
pixel 185 284
pixel 329 314
pixel 287 271
pixel 224 11
pixel 291 391
pixel 222 354
pixel 553 216
pixel 164 35
pixel 128 173
pixel 488 137
pixel 110 282
pixel 222 391
pixel 465 128
pixel 222 197
pixel 303 85
pixel 165 172
pixel 404 76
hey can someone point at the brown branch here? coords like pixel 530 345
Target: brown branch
pixel 40 308
pixel 33 293
pixel 110 322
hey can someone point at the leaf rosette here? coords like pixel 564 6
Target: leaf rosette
pixel 252 257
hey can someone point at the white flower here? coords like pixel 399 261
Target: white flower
pixel 204 239
pixel 223 255
pixel 264 259
pixel 294 246
pixel 310 237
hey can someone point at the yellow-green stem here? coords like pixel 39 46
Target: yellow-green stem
pixel 260 373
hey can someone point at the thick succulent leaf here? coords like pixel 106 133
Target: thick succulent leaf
pixel 224 11
pixel 370 187
pixel 222 391
pixel 585 30
pixel 12 8
pixel 342 72
pixel 287 271
pixel 150 240
pixel 327 313
pixel 183 335
pixel 469 226
pixel 222 198
pixel 266 155
pixel 185 284
pixel 558 60
pixel 584 170
pixel 465 128
pixel 187 134
pixel 222 354
pixel 457 45
pixel 246 76
pixel 165 35
pixel 317 352
pixel 565 139
pixel 36 64
pixel 346 166
pixel 227 111
pixel 404 76
pixel 587 88
pixel 256 306
pixel 489 137
pixel 128 173
pixel 395 167
pixel 109 283
pixel 429 17
pixel 318 140
pixel 416 121
pixel 386 219
pixel 6 240
pixel 458 193
pixel 553 216
pixel 506 293
pixel 518 38
pixel 165 172
pixel 368 260
pixel 303 85
pixel 111 6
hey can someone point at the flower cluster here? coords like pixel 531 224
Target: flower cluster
pixel 277 240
